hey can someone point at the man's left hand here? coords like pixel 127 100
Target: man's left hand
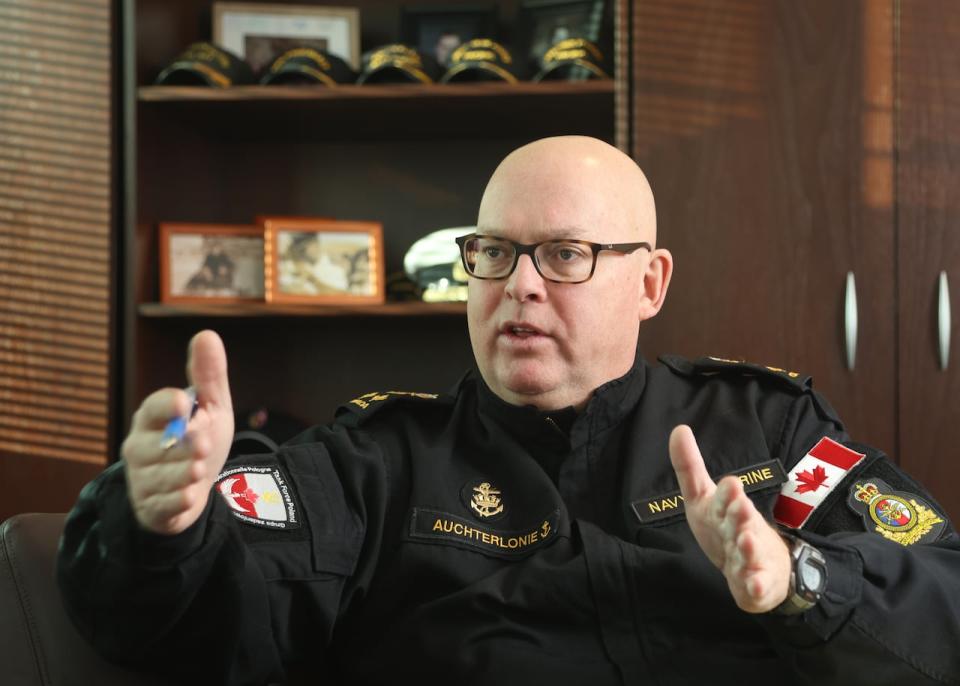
pixel 734 535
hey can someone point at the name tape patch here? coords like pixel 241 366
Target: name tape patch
pixel 754 478
pixel 437 525
pixel 260 496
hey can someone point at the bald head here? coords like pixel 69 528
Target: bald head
pixel 565 172
pixel 545 342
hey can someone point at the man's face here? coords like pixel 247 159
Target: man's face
pixel 550 344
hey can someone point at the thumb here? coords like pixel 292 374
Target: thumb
pixel 207 369
pixel 695 482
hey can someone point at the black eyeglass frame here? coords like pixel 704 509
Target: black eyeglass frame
pixel 530 249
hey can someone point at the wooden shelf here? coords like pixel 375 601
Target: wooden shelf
pixel 525 89
pixel 389 111
pixel 255 310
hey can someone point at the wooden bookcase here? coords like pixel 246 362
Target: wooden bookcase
pixel 414 157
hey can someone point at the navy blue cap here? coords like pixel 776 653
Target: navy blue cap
pixel 480 59
pixel 205 64
pixel 397 63
pixel 572 59
pixel 308 66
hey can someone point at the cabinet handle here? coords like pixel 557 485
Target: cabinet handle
pixel 850 320
pixel 943 320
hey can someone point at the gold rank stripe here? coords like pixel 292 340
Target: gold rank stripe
pixel 434 525
pixel 755 478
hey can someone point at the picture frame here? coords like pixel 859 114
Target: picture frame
pixel 210 263
pixel 323 261
pixel 259 32
pixel 437 31
pixel 544 23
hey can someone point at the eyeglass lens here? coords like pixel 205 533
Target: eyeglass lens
pixel 493 258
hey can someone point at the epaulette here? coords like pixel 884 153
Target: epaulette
pixel 365 406
pixel 712 366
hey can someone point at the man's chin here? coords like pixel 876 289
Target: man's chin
pixel 532 391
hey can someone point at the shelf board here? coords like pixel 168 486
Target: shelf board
pixel 393 92
pixel 256 310
pixel 389 111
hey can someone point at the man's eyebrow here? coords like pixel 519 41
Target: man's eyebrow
pixel 573 232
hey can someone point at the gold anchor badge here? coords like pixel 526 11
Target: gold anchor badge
pixel 486 500
pixel 545 529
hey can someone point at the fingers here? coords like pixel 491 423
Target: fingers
pixel 207 369
pixel 164 510
pixel 144 445
pixel 159 408
pixel 167 477
pixel 695 482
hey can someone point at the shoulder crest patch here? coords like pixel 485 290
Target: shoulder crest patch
pixel 898 516
pixel 260 496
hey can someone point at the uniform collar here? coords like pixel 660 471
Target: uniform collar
pixel 607 406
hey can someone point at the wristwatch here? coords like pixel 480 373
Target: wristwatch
pixel 808 577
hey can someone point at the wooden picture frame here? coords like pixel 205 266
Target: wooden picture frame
pixel 325 262
pixel 210 263
pixel 544 23
pixel 438 30
pixel 259 32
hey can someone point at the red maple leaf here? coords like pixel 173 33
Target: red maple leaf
pixel 811 481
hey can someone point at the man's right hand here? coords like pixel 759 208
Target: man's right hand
pixel 168 489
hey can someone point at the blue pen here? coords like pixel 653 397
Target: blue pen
pixel 176 428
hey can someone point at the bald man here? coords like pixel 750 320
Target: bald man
pixel 551 519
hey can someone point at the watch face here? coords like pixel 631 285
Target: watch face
pixel 811 576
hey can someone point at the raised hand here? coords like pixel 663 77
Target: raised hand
pixel 733 534
pixel 168 488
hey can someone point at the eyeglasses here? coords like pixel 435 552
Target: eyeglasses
pixel 561 261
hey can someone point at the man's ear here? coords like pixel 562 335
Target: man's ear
pixel 656 280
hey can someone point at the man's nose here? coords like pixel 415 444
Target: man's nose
pixel 525 283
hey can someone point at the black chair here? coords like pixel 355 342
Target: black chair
pixel 39 645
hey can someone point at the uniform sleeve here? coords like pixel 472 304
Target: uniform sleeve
pixel 891 611
pixel 250 589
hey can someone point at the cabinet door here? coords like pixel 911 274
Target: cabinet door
pixel 765 130
pixel 928 213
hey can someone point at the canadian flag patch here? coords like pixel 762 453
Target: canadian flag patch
pixel 812 479
pixel 259 496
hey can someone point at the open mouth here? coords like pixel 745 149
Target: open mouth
pixel 521 331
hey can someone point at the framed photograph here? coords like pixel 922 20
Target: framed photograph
pixel 437 31
pixel 202 263
pixel 260 32
pixel 323 261
pixel 544 23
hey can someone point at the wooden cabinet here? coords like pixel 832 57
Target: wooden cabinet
pixel 928 243
pixel 415 157
pixel 789 145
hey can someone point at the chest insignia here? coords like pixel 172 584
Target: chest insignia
pixel 897 516
pixel 486 501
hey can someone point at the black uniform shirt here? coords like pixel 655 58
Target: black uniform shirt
pixel 461 539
